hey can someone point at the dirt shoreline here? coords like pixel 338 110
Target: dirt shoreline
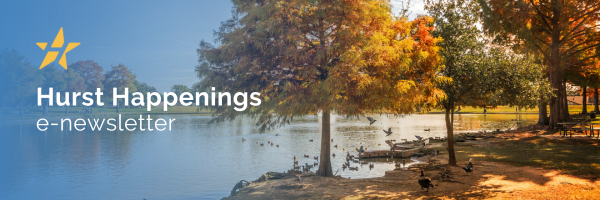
pixel 490 180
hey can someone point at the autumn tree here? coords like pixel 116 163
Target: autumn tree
pixel 91 72
pixel 480 75
pixel 119 77
pixel 321 57
pixel 558 30
pixel 586 75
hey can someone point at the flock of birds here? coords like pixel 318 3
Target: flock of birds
pixel 423 181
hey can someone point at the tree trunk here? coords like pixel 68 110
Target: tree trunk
pixel 21 105
pixel 566 115
pixel 543 112
pixel 584 101
pixel 450 133
pixel 556 104
pixel 325 162
pixel 596 100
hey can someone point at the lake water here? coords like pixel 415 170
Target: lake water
pixel 195 160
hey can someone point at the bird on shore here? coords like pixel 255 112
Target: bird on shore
pixel 427 129
pixel 419 137
pixel 295 158
pixel 262 144
pixel 316 157
pixel 426 142
pixel 306 156
pixel 277 146
pixel 469 167
pixel 243 140
pixel 311 140
pixel 332 140
pixel 335 146
pixel 371 120
pixel 353 168
pixel 277 134
pixel 425 182
pixel 316 163
pixel 271 144
pixel 388 132
pixel 333 155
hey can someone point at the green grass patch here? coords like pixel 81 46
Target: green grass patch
pixel 575 157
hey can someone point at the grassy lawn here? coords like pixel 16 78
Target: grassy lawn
pixel 573 109
pixel 575 156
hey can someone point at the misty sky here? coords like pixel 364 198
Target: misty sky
pixel 157 40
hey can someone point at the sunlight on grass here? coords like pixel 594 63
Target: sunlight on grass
pixel 576 157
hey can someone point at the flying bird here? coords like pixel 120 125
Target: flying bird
pixel 419 137
pixel 388 132
pixel 469 167
pixel 425 182
pixel 371 120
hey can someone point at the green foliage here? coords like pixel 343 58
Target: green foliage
pixel 143 87
pixel 19 78
pixel 74 82
pixel 178 89
pixel 482 75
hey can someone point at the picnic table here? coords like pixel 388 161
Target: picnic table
pixel 569 127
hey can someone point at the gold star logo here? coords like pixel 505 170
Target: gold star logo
pixel 58 43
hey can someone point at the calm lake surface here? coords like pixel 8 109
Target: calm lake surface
pixel 196 160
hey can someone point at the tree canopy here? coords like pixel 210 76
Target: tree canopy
pixel 561 31
pixel 309 57
pixel 481 74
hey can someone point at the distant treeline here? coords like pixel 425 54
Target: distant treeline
pixel 20 79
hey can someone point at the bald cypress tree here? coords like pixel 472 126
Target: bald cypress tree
pixel 311 57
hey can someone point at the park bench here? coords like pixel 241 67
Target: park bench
pixel 585 127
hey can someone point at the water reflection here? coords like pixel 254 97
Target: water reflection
pixel 197 159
